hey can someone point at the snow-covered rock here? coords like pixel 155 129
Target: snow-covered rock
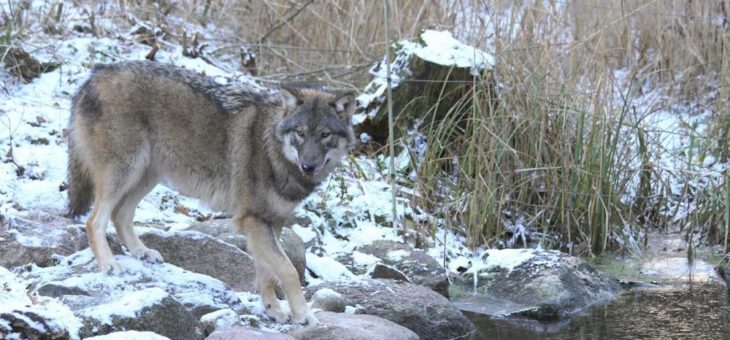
pixel 26 316
pixel 162 298
pixel 427 313
pixel 224 318
pixel 418 267
pixel 547 284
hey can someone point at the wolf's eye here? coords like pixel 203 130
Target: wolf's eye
pixel 300 133
pixel 326 134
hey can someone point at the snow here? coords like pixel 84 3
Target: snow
pixel 440 47
pixel 15 300
pixel 306 234
pixel 328 269
pixel 221 318
pixel 397 255
pixel 363 260
pixel 128 305
pixel 129 335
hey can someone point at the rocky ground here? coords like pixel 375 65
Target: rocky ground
pixel 51 287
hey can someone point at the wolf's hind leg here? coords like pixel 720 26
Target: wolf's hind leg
pixel 266 283
pixel 266 249
pixel 123 216
pixel 96 230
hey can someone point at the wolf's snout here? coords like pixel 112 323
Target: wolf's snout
pixel 308 168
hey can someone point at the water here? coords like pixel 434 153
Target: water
pixel 698 311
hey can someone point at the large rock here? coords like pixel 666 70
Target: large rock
pixel 203 254
pixel 353 327
pixel 34 237
pixel 417 308
pixel 161 298
pixel 290 241
pixel 247 333
pixel 547 284
pixel 418 267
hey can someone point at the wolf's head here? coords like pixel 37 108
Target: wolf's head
pixel 316 131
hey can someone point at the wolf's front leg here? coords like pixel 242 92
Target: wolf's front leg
pixel 265 283
pixel 266 249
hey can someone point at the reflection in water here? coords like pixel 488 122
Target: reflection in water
pixel 689 312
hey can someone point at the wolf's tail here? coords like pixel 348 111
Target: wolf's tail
pixel 80 186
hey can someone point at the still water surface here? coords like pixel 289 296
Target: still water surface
pixel 698 311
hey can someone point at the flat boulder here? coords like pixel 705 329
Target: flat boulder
pixel 417 266
pixel 546 284
pixel 343 326
pixel 429 314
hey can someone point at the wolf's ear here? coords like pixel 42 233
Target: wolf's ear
pixel 344 105
pixel 290 97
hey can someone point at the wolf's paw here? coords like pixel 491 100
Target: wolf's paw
pixel 147 255
pixel 110 266
pixel 274 311
pixel 307 318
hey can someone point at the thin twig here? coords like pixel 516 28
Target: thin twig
pixel 283 22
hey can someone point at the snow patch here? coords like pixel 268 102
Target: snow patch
pixel 328 269
pixel 307 234
pixel 129 335
pixel 363 260
pixel 128 305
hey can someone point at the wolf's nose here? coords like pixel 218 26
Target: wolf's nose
pixel 308 169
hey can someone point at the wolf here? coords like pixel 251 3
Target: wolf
pixel 253 152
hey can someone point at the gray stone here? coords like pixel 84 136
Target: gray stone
pixel 247 333
pixel 427 313
pixel 291 242
pixel 419 267
pixel 353 327
pixel 328 300
pixel 549 284
pixel 200 253
pixel 35 237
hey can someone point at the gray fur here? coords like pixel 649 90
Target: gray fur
pixel 254 152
